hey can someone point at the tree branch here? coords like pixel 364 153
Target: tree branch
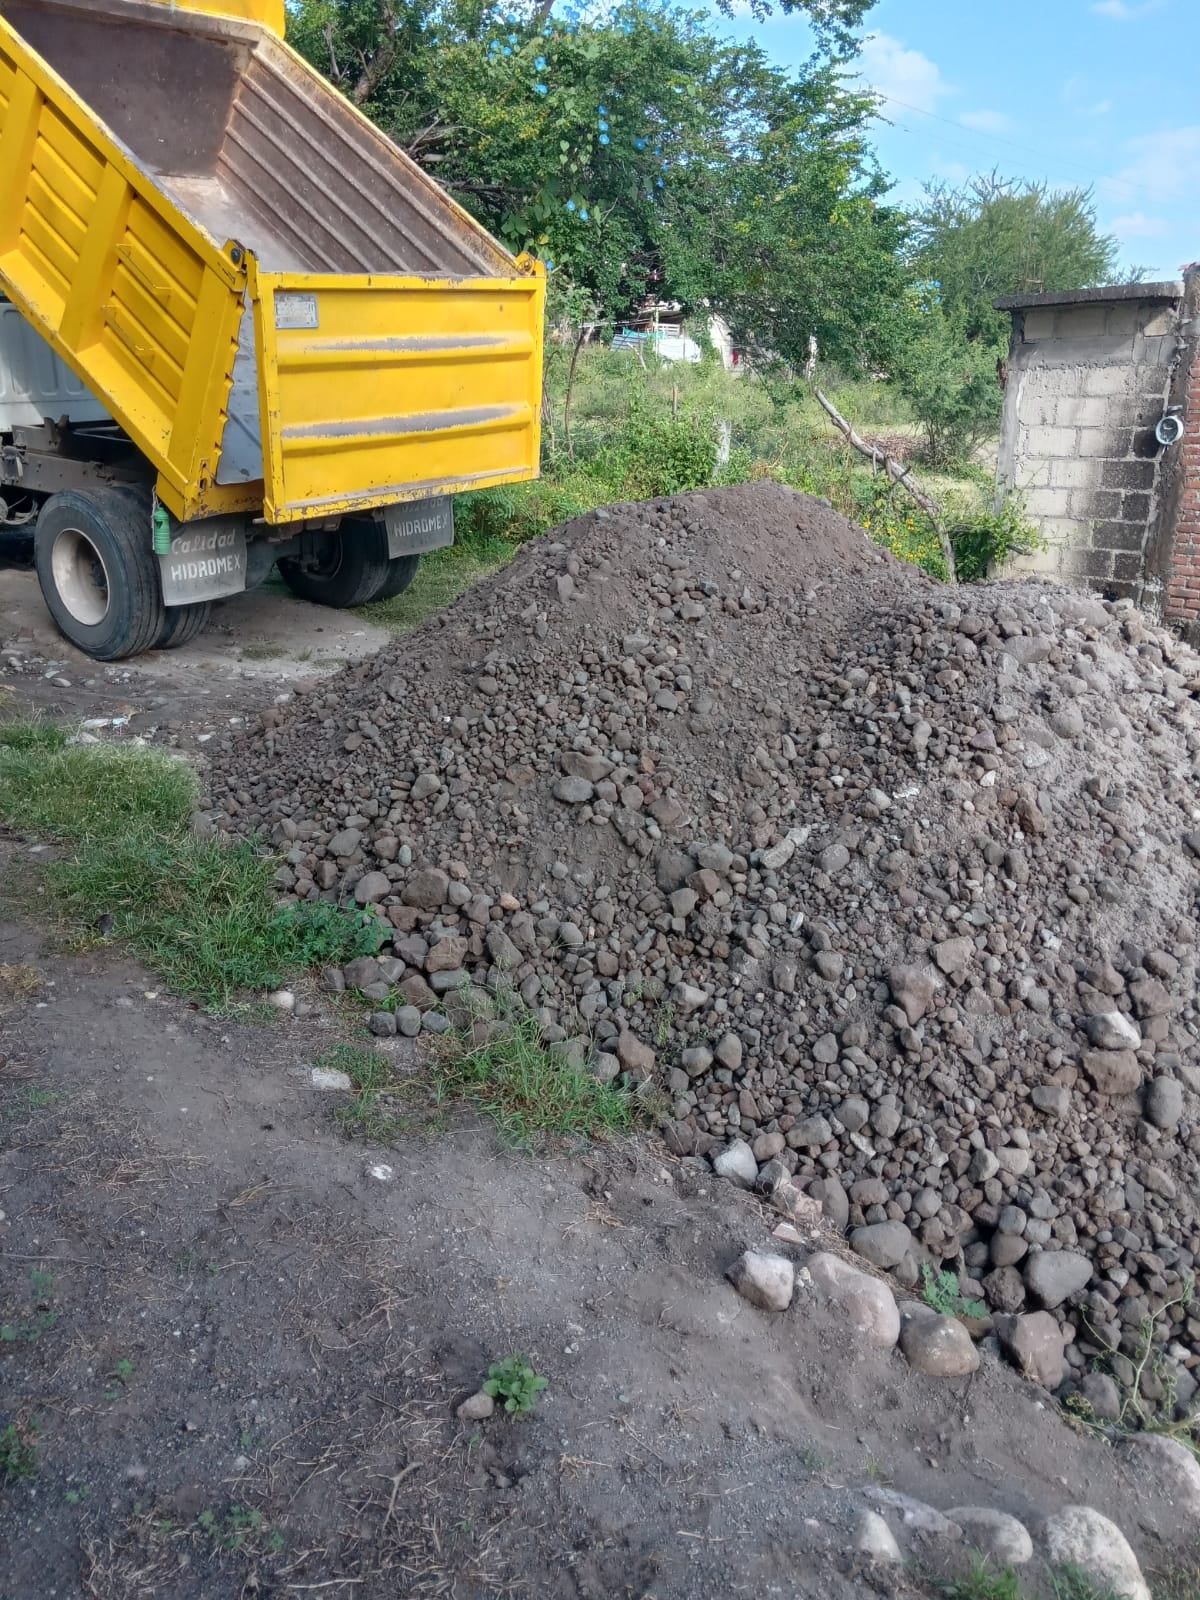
pixel 898 475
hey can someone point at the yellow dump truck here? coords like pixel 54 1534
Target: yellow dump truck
pixel 240 327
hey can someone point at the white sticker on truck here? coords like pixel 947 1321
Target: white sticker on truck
pixel 295 310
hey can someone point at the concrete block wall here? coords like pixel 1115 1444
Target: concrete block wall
pixel 1088 380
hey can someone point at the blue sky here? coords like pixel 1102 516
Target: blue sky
pixel 1103 93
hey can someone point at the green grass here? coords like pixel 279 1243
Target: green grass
pixel 441 577
pixel 529 1093
pixel 202 912
pixel 981 1581
pixel 17 1460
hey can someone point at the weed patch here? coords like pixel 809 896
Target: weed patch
pixel 17 1460
pixel 530 1093
pixel 942 1292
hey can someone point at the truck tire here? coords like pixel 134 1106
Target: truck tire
pixel 182 624
pixel 355 567
pixel 98 571
pixel 401 572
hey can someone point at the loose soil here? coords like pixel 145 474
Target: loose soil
pixel 238 1361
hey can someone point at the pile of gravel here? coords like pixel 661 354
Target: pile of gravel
pixel 892 883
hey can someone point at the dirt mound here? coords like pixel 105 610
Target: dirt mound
pixel 893 882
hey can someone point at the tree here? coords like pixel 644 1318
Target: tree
pixel 785 229
pixel 996 236
pixel 634 149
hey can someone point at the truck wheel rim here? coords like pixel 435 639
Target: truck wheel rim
pixel 80 577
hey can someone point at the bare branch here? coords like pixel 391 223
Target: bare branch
pixel 898 475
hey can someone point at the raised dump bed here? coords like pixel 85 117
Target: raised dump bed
pixel 293 330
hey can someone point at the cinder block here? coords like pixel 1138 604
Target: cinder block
pixel 1094 443
pixel 1073 473
pixel 1047 442
pixel 1047 503
pixel 1032 474
pixel 1039 324
pixel 1117 536
pixel 1080 411
pixel 1085 563
pixel 1127 568
pixel 1133 475
pixel 1080 322
pixel 1036 408
pixel 1161 321
pixel 1117 379
pixel 1124 318
pixel 1135 507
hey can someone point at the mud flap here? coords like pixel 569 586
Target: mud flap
pixel 418 526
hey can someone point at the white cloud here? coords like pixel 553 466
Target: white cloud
pixel 1160 168
pixel 1123 11
pixel 897 73
pixel 1137 225
pixel 986 121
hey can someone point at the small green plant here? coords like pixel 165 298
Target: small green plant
pixel 941 1291
pixel 1071 1583
pixel 236 1529
pixel 664 1023
pixel 119 1378
pixel 76 1497
pixel 981 1581
pixel 984 540
pixel 39 1316
pixel 17 1461
pixel 514 1382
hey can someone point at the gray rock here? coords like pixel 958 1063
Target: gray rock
pixel 426 888
pixel 1113 1072
pixel 913 989
pixel 829 965
pixel 936 1345
pixel 573 791
pixel 766 1281
pixel 357 974
pixel 637 1058
pixel 1034 1345
pixel 1164 1102
pixel 997 1536
pixel 834 1202
pixel 826 1050
pixel 867 1303
pixel 952 955
pixel 382 1024
pixel 915 1515
pixel 729 1051
pixel 810 1131
pixel 476 1409
pixel 736 1162
pixel 450 980
pixel 875 1540
pixel 688 997
pixel 834 858
pixel 345 843
pixel 1052 1098
pixel 853 1113
pixel 408 1021
pixel 1078 1536
pixel 500 948
pixel 1052 1276
pixel 1167 1472
pixel 428 783
pixel 1102 1394
pixel 1113 1030
pixel 984 1165
pixel 883 1244
pixel 330 1078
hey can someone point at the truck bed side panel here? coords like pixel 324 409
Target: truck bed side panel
pixel 394 388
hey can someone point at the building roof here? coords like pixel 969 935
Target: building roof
pixel 1088 297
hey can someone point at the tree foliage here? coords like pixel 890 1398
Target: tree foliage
pixel 996 236
pixel 634 148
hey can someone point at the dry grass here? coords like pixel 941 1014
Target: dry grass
pixel 18 982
